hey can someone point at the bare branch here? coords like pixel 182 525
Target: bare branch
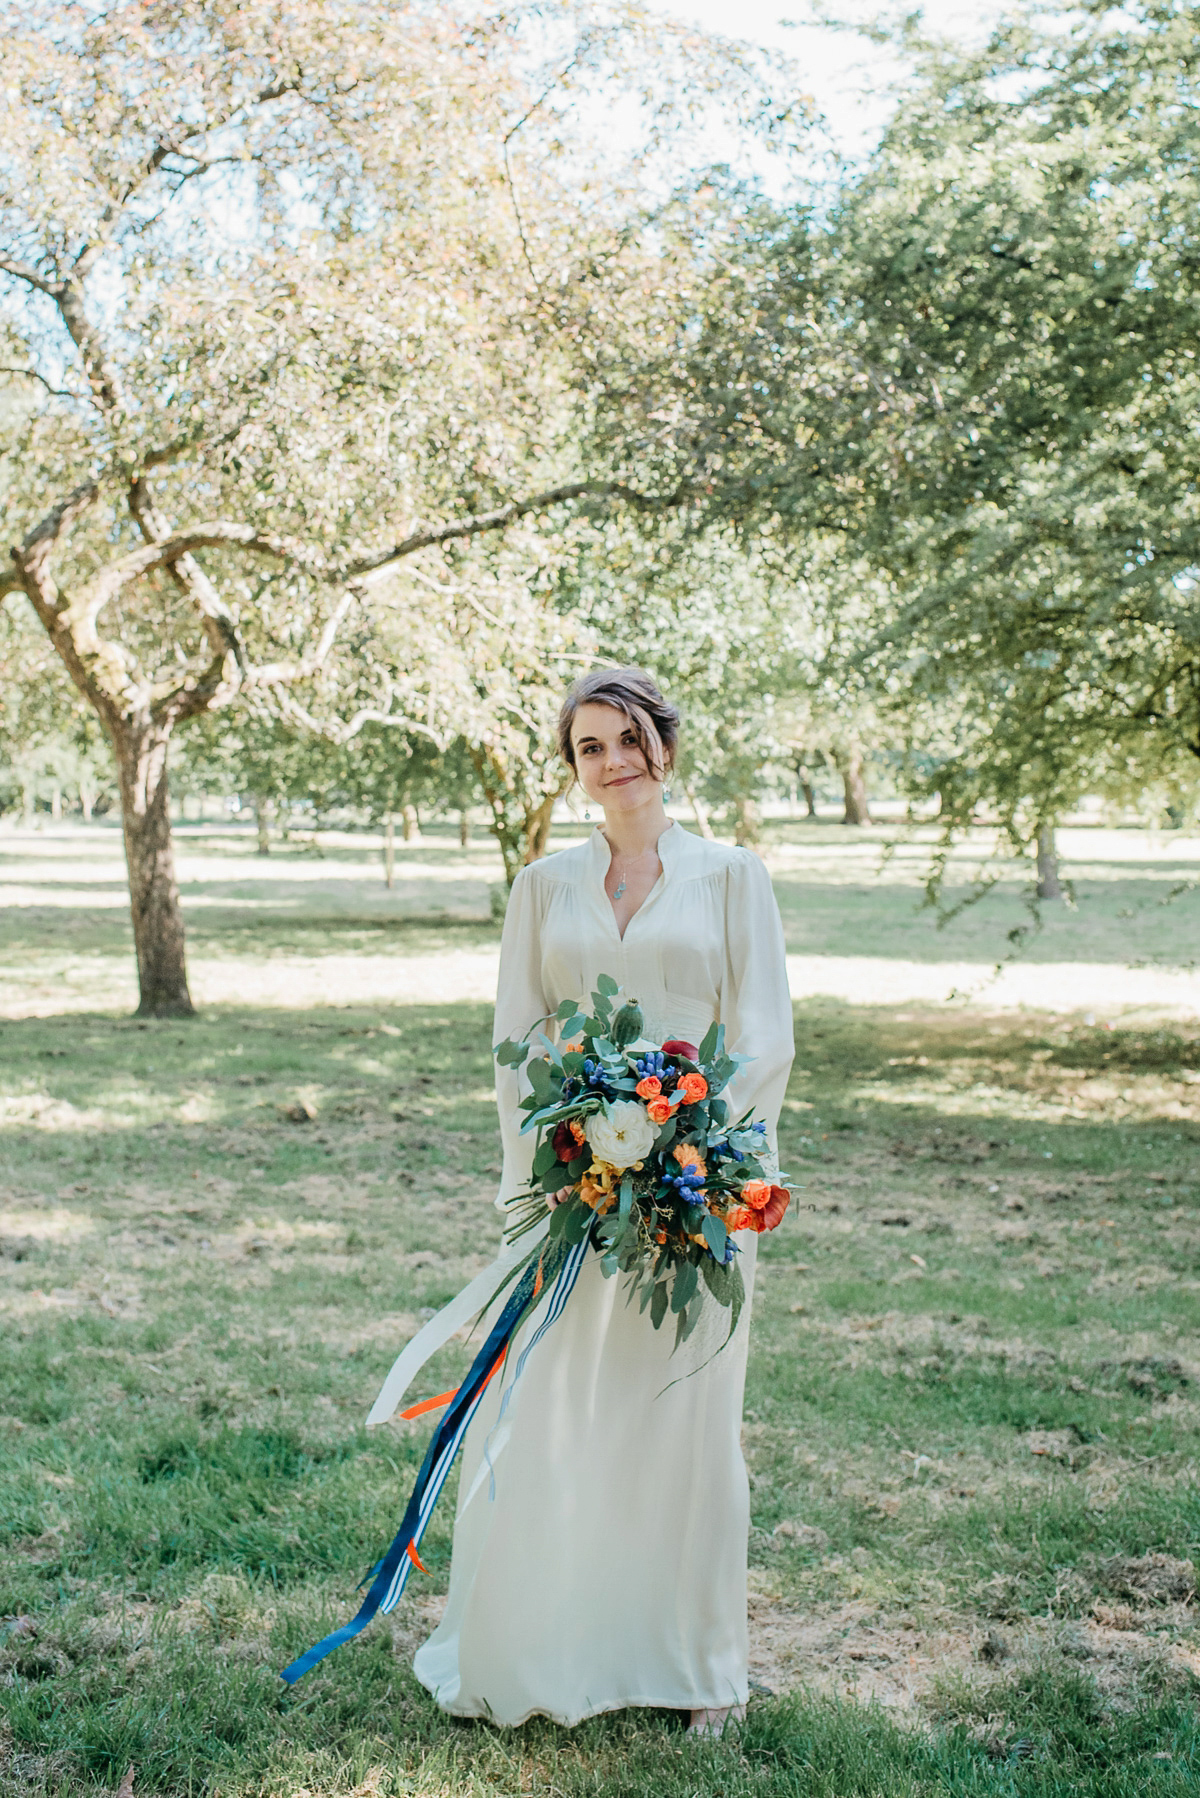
pixel 277 674
pixel 31 374
pixel 24 271
pixel 80 617
pixel 291 709
pixel 33 557
pixel 508 174
pixel 479 522
pixel 68 297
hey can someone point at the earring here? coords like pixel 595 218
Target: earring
pixel 587 814
pixel 666 795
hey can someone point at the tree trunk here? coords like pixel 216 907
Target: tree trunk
pixel 747 825
pixel 262 820
pixel 1048 884
pixel 412 824
pixel 141 756
pixel 699 811
pixel 810 796
pixel 849 763
pixel 464 829
pixel 537 834
pixel 389 851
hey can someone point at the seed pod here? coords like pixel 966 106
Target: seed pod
pixel 628 1024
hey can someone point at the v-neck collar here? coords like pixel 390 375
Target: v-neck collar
pixel 667 847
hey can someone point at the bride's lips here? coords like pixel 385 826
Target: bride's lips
pixel 622 783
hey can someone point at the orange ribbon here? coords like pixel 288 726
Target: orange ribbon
pixel 444 1398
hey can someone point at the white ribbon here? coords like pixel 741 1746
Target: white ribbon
pixel 438 1331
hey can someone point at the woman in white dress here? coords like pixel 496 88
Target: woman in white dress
pixel 600 1542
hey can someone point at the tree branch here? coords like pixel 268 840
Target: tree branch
pixel 24 271
pixel 80 617
pixel 68 297
pixel 31 374
pixel 479 522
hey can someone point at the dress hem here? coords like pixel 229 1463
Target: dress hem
pixel 600 1710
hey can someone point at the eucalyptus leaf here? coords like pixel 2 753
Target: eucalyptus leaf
pixel 687 1279
pixel 715 1235
pixel 544 1157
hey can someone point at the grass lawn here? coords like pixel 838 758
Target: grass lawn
pixel 971 1420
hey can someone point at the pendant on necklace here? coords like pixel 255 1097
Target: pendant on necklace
pixel 621 889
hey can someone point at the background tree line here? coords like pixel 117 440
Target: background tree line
pixel 357 393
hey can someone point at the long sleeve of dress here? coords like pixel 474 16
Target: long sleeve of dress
pixel 756 1005
pixel 520 1004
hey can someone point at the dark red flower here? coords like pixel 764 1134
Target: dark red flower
pixel 568 1139
pixel 677 1046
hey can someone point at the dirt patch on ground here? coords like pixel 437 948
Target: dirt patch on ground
pixel 852 1651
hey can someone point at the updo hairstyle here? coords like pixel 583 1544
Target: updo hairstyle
pixel 654 719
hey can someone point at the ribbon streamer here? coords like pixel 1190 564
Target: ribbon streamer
pixel 390 1575
pixel 438 1331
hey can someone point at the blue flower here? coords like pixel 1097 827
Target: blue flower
pixel 686 1183
pixel 597 1078
pixel 651 1067
pixel 731 1249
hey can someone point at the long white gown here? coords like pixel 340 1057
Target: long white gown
pixel 600 1542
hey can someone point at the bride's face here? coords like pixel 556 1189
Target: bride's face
pixel 609 761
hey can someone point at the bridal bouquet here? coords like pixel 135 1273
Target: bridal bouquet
pixel 637 1153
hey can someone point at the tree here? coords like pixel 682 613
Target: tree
pixel 1018 302
pixel 231 423
pixel 976 370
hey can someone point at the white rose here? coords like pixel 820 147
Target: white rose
pixel 626 1135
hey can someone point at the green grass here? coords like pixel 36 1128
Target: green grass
pixel 972 1423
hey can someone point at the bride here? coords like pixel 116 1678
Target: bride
pixel 600 1543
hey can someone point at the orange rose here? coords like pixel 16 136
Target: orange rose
pixel 694 1087
pixel 648 1088
pixel 658 1110
pixel 763 1210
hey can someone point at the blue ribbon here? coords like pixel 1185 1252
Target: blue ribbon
pixel 389 1576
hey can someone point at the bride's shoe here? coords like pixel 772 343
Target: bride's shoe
pixel 712 1723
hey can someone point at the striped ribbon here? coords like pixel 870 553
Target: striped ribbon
pixel 389 1577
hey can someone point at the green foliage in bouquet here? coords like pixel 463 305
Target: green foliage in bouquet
pixel 636 1149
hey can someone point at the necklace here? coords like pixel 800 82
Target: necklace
pixel 619 891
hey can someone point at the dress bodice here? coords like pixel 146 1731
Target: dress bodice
pixel 706 944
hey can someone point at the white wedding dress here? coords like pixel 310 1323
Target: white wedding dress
pixel 600 1542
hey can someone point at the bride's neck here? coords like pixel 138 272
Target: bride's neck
pixel 636 833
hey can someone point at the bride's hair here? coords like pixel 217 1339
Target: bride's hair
pixel 630 690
